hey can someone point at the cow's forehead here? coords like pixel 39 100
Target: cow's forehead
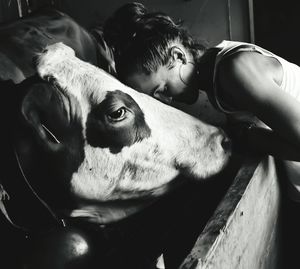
pixel 106 83
pixel 79 78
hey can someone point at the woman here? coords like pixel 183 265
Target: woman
pixel 156 56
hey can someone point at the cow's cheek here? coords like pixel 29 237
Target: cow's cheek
pixel 137 171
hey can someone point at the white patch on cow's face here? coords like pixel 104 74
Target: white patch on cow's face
pixel 178 143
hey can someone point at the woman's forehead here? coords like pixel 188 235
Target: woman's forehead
pixel 147 83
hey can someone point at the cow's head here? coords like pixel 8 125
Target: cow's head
pixel 109 143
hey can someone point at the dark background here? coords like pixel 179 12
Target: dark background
pixel 277 27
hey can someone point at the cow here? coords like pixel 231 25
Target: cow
pixel 132 146
pixel 87 147
pixel 22 39
pixel 97 170
pixel 102 142
pixel 79 143
pixel 146 156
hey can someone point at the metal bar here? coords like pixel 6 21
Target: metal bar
pixel 251 21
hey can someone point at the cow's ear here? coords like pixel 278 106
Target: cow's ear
pixel 32 111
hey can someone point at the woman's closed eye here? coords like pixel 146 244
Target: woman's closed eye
pixel 163 94
pixel 161 91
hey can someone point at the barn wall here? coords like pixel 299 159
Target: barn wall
pixel 8 10
pixel 211 21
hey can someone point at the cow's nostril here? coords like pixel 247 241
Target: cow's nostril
pixel 45 50
pixel 226 144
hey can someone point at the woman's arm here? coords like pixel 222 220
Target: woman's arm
pixel 250 79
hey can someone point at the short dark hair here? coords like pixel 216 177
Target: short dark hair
pixel 141 40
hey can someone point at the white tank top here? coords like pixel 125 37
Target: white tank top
pixel 290 80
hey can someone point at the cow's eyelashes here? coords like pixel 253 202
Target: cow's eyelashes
pixel 117 115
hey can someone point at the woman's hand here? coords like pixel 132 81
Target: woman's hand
pixel 239 131
pixel 249 138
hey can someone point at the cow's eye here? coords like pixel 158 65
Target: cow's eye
pixel 117 115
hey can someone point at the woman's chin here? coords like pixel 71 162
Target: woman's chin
pixel 188 98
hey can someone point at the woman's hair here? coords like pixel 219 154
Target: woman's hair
pixel 141 40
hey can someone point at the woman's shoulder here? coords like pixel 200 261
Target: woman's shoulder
pixel 237 52
pixel 229 47
pixel 249 63
pixel 247 75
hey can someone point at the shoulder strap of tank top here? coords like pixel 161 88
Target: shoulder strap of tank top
pixel 227 48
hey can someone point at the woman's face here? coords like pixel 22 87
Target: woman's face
pixel 170 82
